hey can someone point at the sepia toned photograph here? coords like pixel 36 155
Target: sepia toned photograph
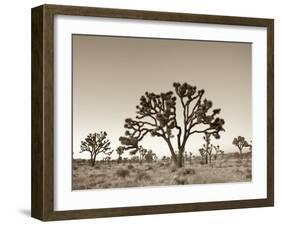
pixel 160 112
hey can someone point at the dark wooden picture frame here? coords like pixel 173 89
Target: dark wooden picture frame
pixel 42 203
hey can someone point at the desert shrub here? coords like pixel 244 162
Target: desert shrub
pixel 161 164
pixel 220 165
pixel 84 161
pixel 121 172
pixel 211 165
pixel 207 179
pixel 173 169
pixel 230 165
pixel 130 166
pixel 187 171
pixel 202 162
pixel 149 168
pixel 246 165
pixel 97 167
pixel 238 161
pixel 75 167
pixel 142 176
pixel 249 176
pixel 179 179
pixel 167 164
pixel 238 171
pixel 106 185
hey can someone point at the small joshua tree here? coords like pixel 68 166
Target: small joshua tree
pixel 95 144
pixel 217 151
pixel 206 151
pixel 157 116
pixel 203 155
pixel 120 151
pixel 141 151
pixel 150 156
pixel 190 156
pixel 241 143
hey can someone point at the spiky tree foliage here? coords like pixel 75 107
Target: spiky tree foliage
pixel 241 143
pixel 157 115
pixel 217 151
pixel 119 151
pixel 95 144
pixel 140 151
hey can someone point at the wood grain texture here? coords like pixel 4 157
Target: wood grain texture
pixel 37 158
pixel 42 112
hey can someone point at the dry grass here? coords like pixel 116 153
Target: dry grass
pixel 114 175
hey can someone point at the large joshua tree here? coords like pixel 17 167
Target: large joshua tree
pixel 95 144
pixel 157 115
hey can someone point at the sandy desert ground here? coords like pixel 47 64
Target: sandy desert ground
pixel 231 168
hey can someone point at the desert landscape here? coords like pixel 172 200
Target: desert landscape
pixel 111 174
pixel 178 114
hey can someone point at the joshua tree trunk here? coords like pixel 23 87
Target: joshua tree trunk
pixel 206 158
pixel 140 161
pixel 240 151
pixel 173 155
pixel 179 160
pixel 93 160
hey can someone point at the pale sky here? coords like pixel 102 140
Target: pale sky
pixel 111 73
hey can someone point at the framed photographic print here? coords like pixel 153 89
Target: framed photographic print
pixel 141 112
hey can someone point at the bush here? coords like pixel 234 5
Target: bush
pixel 130 166
pixel 220 165
pixel 142 176
pixel 202 162
pixel 239 161
pixel 187 172
pixel 249 176
pixel 167 164
pixel 238 171
pixel 149 168
pixel 122 172
pixel 179 179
